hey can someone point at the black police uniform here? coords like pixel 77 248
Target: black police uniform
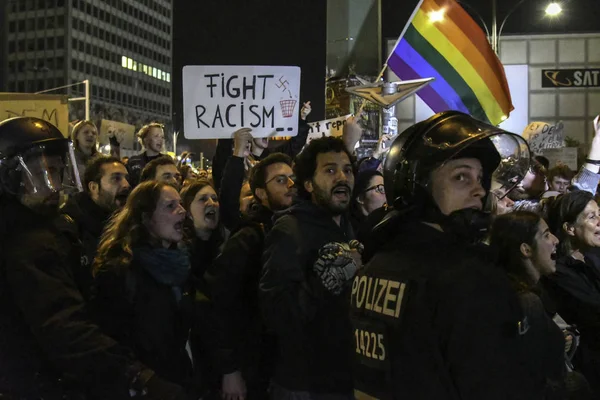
pixel 433 320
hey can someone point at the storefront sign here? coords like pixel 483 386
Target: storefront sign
pixel 556 78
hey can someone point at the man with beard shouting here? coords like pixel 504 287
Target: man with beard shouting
pixel 246 348
pixel 309 260
pixel 106 188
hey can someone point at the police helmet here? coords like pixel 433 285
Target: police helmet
pixel 448 135
pixel 28 147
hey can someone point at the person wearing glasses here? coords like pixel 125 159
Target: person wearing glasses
pixel 368 196
pixel 247 351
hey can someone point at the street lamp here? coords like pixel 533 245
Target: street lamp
pixel 553 9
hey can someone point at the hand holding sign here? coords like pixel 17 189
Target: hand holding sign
pixel 352 133
pixel 242 142
pixel 381 149
pixel 305 111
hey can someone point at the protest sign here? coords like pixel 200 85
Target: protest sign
pixel 564 155
pixel 328 127
pixel 218 100
pixel 124 133
pixel 51 108
pixel 542 135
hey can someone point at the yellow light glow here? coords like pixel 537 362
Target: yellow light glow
pixel 553 9
pixel 436 16
pixel 124 62
pixel 504 118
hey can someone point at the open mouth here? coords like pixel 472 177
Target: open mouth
pixel 121 199
pixel 554 255
pixel 341 192
pixel 211 214
pixel 178 227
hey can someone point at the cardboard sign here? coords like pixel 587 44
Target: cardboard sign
pixel 218 100
pixel 49 107
pixel 328 127
pixel 124 133
pixel 542 135
pixel 565 155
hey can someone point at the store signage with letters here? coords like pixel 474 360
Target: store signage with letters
pixel 574 78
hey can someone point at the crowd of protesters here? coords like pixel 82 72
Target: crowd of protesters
pixel 455 271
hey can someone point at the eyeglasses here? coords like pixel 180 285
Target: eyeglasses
pixel 282 179
pixel 378 188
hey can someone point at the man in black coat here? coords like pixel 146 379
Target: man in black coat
pixel 234 277
pixel 50 348
pixel 105 190
pixel 433 318
pixel 307 266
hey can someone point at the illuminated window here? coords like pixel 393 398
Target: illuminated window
pixel 135 66
pixel 123 61
pixel 154 72
pixel 168 77
pixel 129 63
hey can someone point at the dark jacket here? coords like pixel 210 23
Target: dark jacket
pixel 575 290
pixel 88 219
pixel 207 331
pixel 136 164
pixel 545 344
pixel 434 320
pixel 46 331
pixel 233 279
pixel 142 313
pixel 311 324
pixel 229 195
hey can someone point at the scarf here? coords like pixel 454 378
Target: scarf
pixel 169 267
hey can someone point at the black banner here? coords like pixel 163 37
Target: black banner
pixel 575 78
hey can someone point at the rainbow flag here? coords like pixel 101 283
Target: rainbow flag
pixel 442 41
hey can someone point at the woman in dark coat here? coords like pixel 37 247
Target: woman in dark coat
pixel 205 234
pixel 142 270
pixel 575 287
pixel 526 250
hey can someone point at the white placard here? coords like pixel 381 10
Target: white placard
pixel 328 127
pixel 542 135
pixel 218 100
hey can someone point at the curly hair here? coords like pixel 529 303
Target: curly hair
pixel 126 229
pixel 306 162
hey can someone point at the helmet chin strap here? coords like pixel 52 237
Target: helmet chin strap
pixel 468 225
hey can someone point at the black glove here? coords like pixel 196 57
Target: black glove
pixel 336 266
pixel 160 389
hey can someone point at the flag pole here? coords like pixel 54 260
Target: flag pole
pixel 385 64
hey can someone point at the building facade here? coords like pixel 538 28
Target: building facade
pixel 123 47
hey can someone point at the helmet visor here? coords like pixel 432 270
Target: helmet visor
pixel 515 159
pixel 49 168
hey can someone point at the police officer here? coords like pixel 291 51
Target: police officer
pixel 432 318
pixel 49 347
